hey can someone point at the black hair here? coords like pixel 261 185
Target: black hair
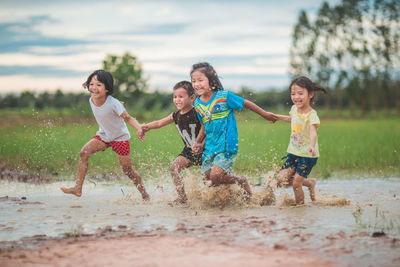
pixel 305 82
pixel 210 73
pixel 185 85
pixel 104 77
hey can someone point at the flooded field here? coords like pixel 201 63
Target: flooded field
pixel 353 222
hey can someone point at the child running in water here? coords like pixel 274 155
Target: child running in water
pixel 303 146
pixel 191 131
pixel 215 108
pixel 111 116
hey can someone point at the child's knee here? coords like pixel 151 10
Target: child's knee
pixel 283 177
pixel 215 177
pixel 206 176
pixel 127 169
pixel 84 154
pixel 298 181
pixel 281 180
pixel 173 168
pixel 176 167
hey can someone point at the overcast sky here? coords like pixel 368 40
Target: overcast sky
pixel 46 45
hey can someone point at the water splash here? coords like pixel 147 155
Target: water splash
pixel 326 200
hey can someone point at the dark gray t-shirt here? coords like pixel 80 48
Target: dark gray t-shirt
pixel 188 125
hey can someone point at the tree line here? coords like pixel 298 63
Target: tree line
pixel 142 103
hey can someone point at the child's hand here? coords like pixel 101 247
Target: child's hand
pixel 197 148
pixel 145 128
pixel 140 134
pixel 312 150
pixel 270 116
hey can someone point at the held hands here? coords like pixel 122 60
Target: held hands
pixel 270 116
pixel 140 133
pixel 145 128
pixel 197 148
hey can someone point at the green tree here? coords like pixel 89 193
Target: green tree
pixel 43 100
pixel 26 99
pixel 352 46
pixel 127 73
pixel 9 101
pixel 60 100
pixel 302 46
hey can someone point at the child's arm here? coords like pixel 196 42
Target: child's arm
pixel 253 107
pixel 134 123
pixel 284 118
pixel 200 139
pixel 158 124
pixel 313 138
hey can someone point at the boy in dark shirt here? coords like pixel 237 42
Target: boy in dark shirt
pixel 191 131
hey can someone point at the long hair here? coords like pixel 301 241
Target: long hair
pixel 305 82
pixel 104 77
pixel 210 73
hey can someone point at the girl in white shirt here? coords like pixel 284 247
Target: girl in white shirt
pixel 111 116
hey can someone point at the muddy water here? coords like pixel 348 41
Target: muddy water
pixel 347 213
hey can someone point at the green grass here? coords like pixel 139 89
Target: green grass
pixel 355 147
pixel 361 147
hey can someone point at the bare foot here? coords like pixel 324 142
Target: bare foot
pixel 73 190
pixel 179 201
pixel 244 183
pixel 312 188
pixel 145 197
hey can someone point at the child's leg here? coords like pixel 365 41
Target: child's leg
pixel 206 176
pixel 126 164
pixel 310 183
pixel 218 176
pixel 179 164
pixel 298 182
pixel 285 177
pixel 90 148
pixel 303 169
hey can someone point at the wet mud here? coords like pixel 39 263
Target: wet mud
pixel 352 223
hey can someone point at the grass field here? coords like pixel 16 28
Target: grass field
pixel 355 147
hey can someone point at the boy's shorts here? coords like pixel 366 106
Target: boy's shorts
pixel 223 160
pixel 122 148
pixel 302 165
pixel 193 158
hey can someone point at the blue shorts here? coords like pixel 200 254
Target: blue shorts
pixel 302 165
pixel 223 160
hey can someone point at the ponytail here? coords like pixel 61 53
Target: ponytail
pixel 305 82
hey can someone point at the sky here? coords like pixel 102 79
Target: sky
pixel 47 45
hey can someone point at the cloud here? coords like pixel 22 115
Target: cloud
pixel 156 29
pixel 56 44
pixel 19 83
pixel 39 71
pixel 20 36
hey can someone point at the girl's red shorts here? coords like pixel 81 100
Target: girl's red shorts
pixel 122 148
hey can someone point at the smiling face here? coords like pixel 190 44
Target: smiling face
pixel 200 83
pixel 300 97
pixel 182 100
pixel 96 88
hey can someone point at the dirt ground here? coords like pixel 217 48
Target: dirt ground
pixel 199 245
pixel 157 250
